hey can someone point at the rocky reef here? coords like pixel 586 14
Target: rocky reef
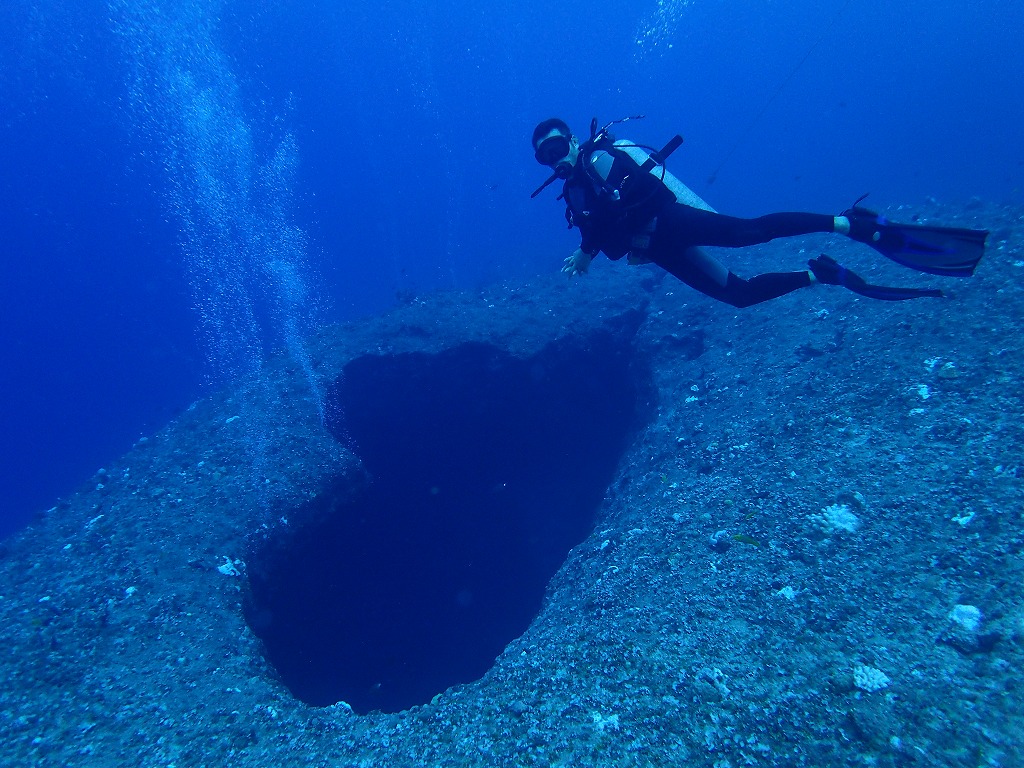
pixel 606 522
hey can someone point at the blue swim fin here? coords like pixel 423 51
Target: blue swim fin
pixel 828 271
pixel 947 251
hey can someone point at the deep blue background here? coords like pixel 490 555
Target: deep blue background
pixel 413 128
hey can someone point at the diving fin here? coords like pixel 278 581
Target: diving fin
pixel 947 251
pixel 828 271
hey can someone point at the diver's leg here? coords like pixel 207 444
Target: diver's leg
pixel 686 226
pixel 712 278
pixel 745 293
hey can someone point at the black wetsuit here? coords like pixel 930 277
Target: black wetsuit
pixel 647 221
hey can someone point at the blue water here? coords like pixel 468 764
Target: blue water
pixel 189 186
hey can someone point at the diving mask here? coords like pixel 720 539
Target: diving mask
pixel 552 149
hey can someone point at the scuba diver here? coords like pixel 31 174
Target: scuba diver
pixel 624 202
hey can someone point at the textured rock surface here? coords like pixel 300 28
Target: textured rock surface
pixel 707 619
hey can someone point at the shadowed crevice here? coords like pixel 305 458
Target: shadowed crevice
pixel 486 469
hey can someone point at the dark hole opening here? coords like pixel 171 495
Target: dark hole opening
pixel 486 469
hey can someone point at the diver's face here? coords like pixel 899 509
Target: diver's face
pixel 559 152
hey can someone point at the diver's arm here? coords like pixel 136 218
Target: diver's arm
pixel 590 244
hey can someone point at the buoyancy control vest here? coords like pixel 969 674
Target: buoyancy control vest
pixel 597 161
pixel 615 194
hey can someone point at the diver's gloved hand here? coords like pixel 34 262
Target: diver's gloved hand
pixel 578 263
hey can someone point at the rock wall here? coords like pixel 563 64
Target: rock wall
pixel 807 550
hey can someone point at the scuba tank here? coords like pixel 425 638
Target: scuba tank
pixel 646 157
pixel 683 193
pixel 650 161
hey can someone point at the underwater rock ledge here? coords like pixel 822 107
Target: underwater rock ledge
pixel 800 543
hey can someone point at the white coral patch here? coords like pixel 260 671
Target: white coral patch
pixel 869 679
pixel 837 518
